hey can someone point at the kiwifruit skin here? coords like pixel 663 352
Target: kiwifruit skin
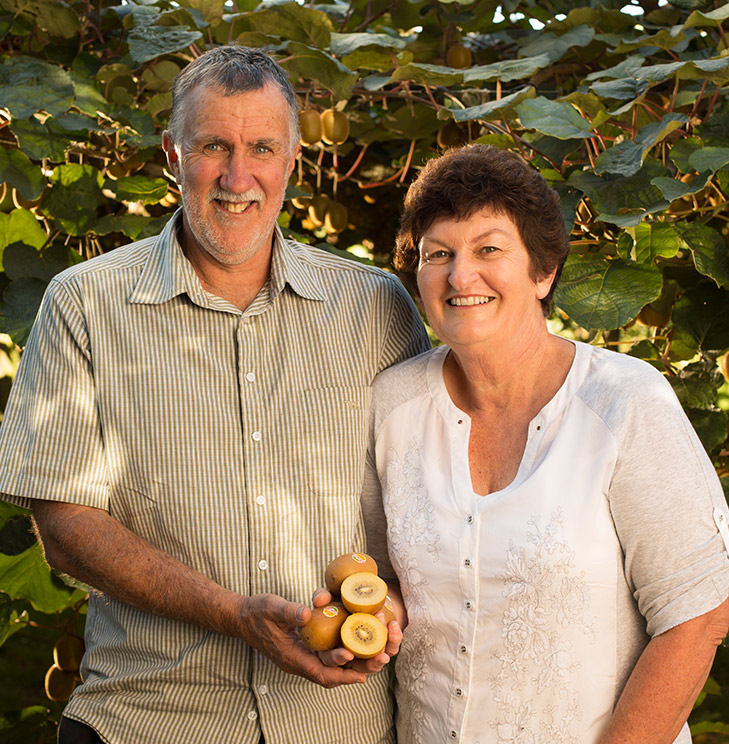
pixel 59 684
pixel 352 644
pixel 334 127
pixel 357 603
pixel 68 652
pixel 310 126
pixel 346 565
pixel 321 633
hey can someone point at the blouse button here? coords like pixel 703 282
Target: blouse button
pixel 470 519
pixel 467 562
pixel 459 692
pixel 469 605
pixel 462 648
pixel 453 734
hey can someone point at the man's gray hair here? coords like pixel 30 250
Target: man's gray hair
pixel 233 69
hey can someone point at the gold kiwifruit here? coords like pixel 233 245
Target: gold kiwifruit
pixel 321 633
pixel 364 635
pixel 334 127
pixel 346 565
pixel 363 592
pixel 67 653
pixel 59 684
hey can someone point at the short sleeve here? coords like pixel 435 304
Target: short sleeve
pixel 405 335
pixel 667 504
pixel 50 439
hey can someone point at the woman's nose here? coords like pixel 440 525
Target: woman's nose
pixel 463 270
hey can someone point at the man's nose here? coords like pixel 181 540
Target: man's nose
pixel 237 176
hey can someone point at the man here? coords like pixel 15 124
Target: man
pixel 188 426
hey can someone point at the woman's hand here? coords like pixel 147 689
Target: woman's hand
pixel 341 657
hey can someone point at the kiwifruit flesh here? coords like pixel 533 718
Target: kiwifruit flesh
pixel 346 565
pixel 363 592
pixel 321 633
pixel 364 635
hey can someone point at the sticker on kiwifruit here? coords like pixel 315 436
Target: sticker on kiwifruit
pixel 346 565
pixel 321 633
pixel 364 635
pixel 363 592
pixel 388 611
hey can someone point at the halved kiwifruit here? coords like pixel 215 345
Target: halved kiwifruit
pixel 364 635
pixel 363 592
pixel 346 565
pixel 321 633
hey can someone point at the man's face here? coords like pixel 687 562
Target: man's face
pixel 233 163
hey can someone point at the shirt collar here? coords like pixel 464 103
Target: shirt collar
pixel 167 273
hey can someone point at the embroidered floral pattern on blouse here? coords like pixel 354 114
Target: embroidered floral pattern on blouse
pixel 409 511
pixel 547 599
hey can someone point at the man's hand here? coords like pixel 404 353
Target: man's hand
pixel 343 659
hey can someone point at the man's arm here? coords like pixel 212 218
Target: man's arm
pixel 666 681
pixel 95 548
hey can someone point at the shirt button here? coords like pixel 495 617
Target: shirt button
pixel 470 519
pixel 260 499
pixel 263 689
pixel 256 436
pixel 463 649
pixel 250 376
pixel 467 562
pixel 263 565
pixel 453 734
pixel 459 692
pixel 252 715
pixel 469 605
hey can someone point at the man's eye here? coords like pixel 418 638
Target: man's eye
pixel 262 149
pixel 213 147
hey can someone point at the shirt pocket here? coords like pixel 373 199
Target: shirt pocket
pixel 334 439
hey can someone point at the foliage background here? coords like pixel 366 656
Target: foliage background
pixel 622 107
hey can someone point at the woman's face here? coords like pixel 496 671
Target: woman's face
pixel 474 280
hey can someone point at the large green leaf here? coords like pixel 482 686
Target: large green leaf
pixel 294 22
pixel 42 141
pixel 654 239
pixel 56 17
pixel 344 44
pixel 700 321
pixel 496 109
pixel 555 45
pixel 28 85
pixel 27 576
pixel 602 293
pixel 148 42
pixel 21 226
pixel 17 170
pixel 134 226
pixel 315 65
pixel 709 159
pixel 506 70
pixel 553 118
pixel 138 189
pixel 73 197
pixel 673 189
pixel 33 724
pixel 709 251
pixel 625 159
pixel 417 72
pixel 712 18
pixel 711 426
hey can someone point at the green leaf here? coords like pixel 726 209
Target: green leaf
pixel 653 239
pixel 506 70
pixel 315 65
pixel 211 10
pixel 138 189
pixel 410 123
pixel 293 22
pixel 21 226
pixel 42 141
pixel 27 576
pixel 373 60
pixel 711 19
pixel 650 134
pixel 148 42
pixel 600 293
pixel 554 45
pixel 625 159
pixel 24 262
pixel 624 89
pixel 494 109
pixel 417 72
pixel 709 159
pixel 28 85
pixel 709 251
pixel 29 724
pixel 700 322
pixel 134 226
pixel 72 200
pixel 553 118
pixel 682 150
pixel 57 18
pixel 344 44
pixel 89 98
pixel 17 170
pixel 673 189
pixel 711 426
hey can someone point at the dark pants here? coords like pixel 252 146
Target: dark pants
pixel 75 732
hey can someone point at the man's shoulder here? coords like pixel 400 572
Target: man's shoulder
pixel 126 258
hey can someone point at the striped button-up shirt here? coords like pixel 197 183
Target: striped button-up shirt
pixel 234 441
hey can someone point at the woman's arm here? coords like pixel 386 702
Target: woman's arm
pixel 666 681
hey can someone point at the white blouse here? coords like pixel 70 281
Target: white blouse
pixel 528 607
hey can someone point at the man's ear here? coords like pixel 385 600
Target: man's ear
pixel 172 157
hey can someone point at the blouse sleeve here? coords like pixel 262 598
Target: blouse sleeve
pixel 668 506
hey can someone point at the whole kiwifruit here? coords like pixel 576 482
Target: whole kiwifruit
pixel 336 217
pixel 363 592
pixel 59 684
pixel 67 653
pixel 310 126
pixel 346 565
pixel 317 209
pixel 334 127
pixel 321 633
pixel 364 635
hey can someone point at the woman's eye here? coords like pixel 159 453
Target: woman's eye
pixel 432 256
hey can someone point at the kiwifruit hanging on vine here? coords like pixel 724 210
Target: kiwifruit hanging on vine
pixel 311 126
pixel 68 652
pixel 59 684
pixel 363 592
pixel 336 217
pixel 334 127
pixel 458 56
pixel 346 565
pixel 317 209
pixel 364 635
pixel 303 201
pixel 321 633
pixel 724 365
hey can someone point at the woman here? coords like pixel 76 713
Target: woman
pixel 557 530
